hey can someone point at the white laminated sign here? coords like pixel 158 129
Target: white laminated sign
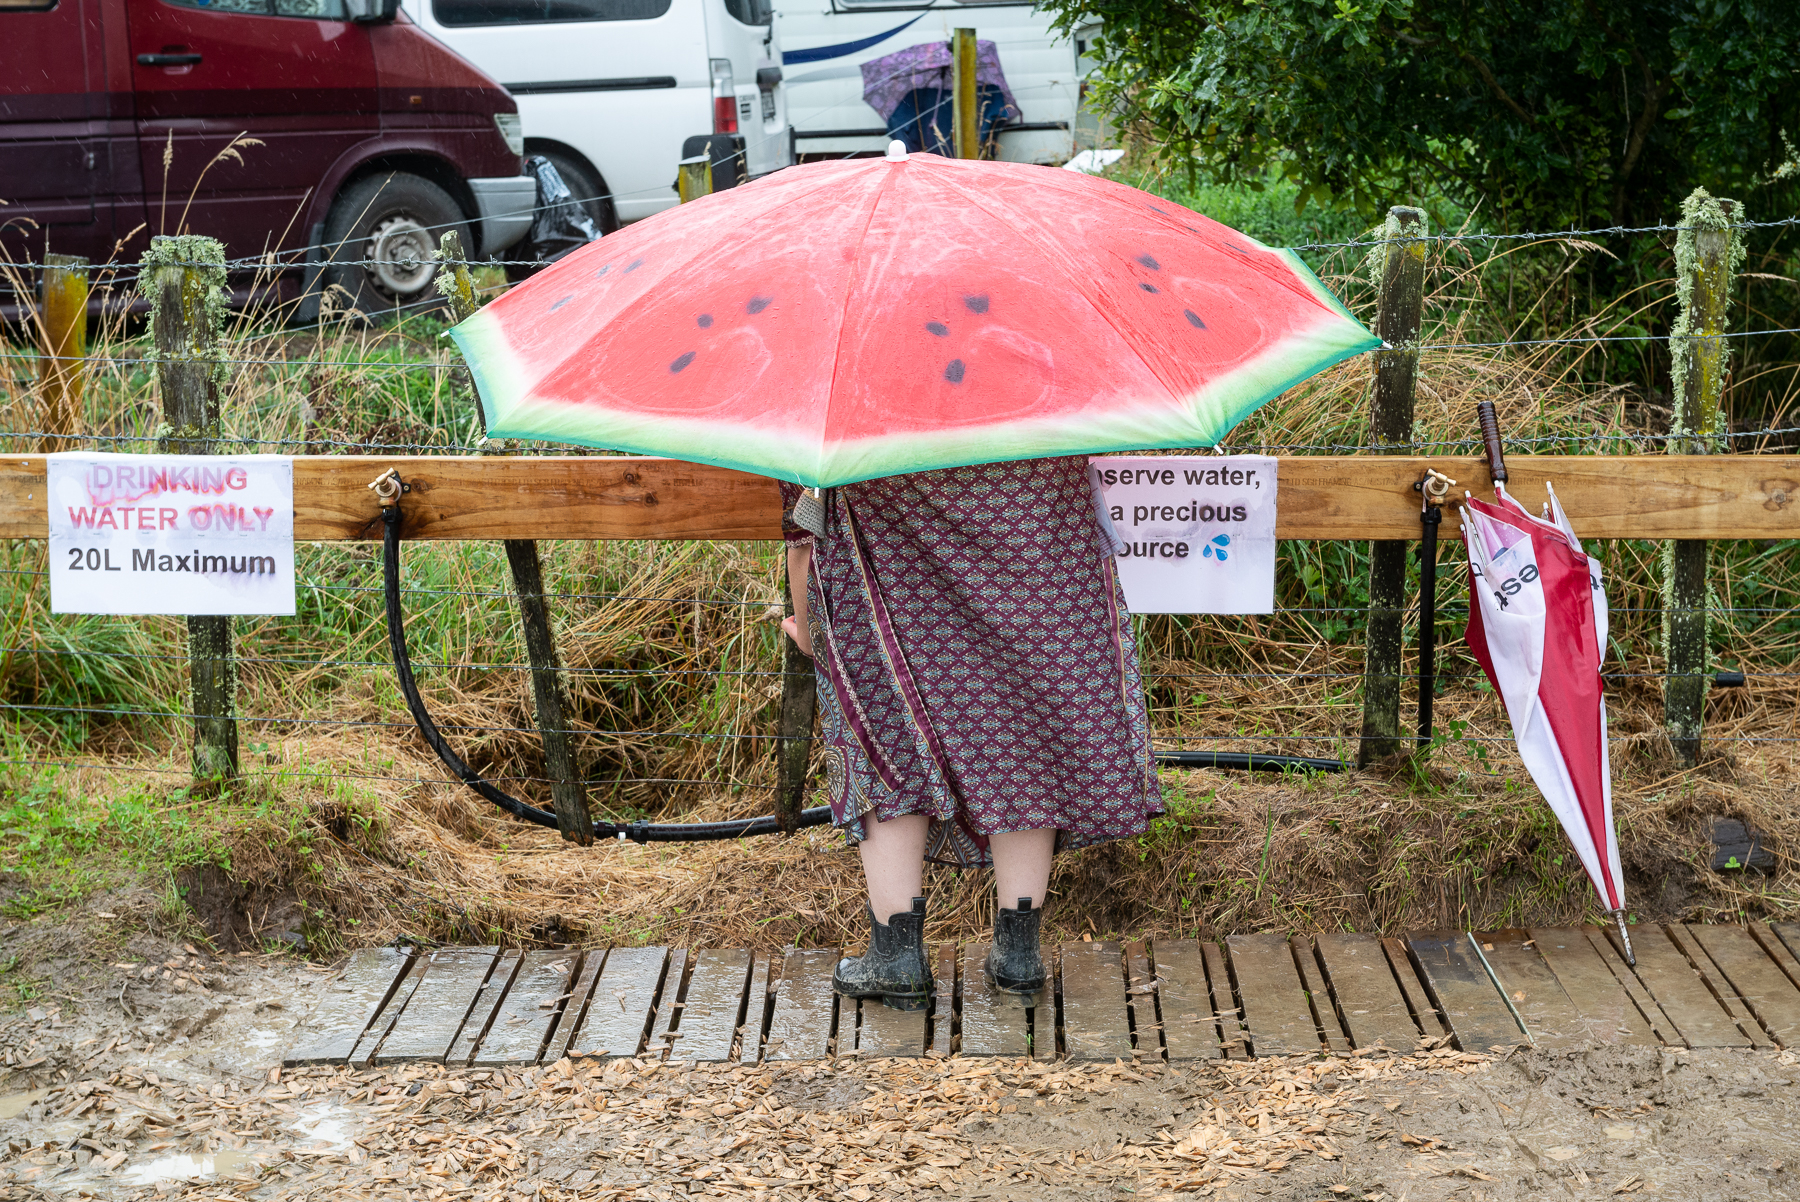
pixel 171 534
pixel 1195 534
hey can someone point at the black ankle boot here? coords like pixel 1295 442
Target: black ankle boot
pixel 1014 963
pixel 894 968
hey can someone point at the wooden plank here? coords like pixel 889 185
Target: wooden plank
pixel 522 1023
pixel 1373 1009
pixel 1190 1028
pixel 1680 991
pixel 1462 990
pixel 1093 1003
pixel 439 1006
pixel 1268 985
pixel 714 1005
pixel 668 1004
pixel 348 1006
pixel 805 1007
pixel 756 1009
pixel 575 1009
pixel 1312 978
pixel 1426 1014
pixel 993 1023
pixel 390 1013
pixel 1141 1002
pixel 886 1033
pixel 1769 1003
pixel 487 1005
pixel 1608 1011
pixel 1551 1018
pixel 943 1000
pixel 1789 934
pixel 1777 952
pixel 1322 496
pixel 1647 1005
pixel 1233 1036
pixel 621 1004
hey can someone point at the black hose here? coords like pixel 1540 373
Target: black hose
pixel 637 832
pixel 690 832
pixel 1248 761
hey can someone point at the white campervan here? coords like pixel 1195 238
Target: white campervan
pixel 608 90
pixel 825 43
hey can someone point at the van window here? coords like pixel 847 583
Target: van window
pixel 534 12
pixel 26 6
pixel 751 12
pixel 319 10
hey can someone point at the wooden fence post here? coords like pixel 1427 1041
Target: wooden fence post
pixel 1707 252
pixel 567 793
pixel 963 109
pixel 183 277
pixel 693 178
pixel 62 347
pixel 1401 296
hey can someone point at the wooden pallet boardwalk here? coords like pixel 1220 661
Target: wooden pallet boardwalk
pixel 1175 999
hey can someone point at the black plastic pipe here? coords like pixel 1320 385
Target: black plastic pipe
pixel 1429 518
pixel 689 832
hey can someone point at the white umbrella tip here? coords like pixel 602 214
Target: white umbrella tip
pixel 896 151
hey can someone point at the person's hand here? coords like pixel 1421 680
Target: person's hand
pixel 801 635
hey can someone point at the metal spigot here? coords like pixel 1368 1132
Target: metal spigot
pixel 388 487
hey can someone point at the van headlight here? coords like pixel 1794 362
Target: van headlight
pixel 512 129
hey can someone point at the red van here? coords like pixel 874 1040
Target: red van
pixel 319 129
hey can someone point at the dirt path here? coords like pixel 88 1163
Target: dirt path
pixel 158 1083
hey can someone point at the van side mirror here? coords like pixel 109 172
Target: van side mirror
pixel 372 12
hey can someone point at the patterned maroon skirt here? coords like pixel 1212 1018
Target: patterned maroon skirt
pixel 975 659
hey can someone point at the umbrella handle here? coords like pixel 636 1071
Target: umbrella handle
pixel 1490 434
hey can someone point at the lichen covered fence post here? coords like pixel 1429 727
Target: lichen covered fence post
pixel 1708 250
pixel 568 793
pixel 1399 264
pixel 183 278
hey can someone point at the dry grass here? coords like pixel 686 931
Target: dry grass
pixel 672 658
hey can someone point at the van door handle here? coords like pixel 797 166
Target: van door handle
pixel 167 60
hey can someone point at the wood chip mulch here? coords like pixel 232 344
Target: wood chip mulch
pixel 626 1129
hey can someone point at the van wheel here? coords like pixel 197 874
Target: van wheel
pixel 382 232
pixel 587 186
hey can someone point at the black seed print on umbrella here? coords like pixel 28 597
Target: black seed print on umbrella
pixel 1156 209
pixel 758 304
pixel 976 304
pixel 1148 287
pixel 1193 319
pixel 954 372
pixel 685 358
pixel 559 304
pixel 938 328
pixel 705 320
pixel 603 271
pixel 1147 261
pixel 634 265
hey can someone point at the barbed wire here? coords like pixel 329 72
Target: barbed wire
pixel 418 780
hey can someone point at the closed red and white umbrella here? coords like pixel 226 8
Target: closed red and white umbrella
pixel 1538 626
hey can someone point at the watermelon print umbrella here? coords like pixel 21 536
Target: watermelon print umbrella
pixel 853 319
pixel 1538 625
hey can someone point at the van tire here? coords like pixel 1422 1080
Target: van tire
pixel 397 218
pixel 587 186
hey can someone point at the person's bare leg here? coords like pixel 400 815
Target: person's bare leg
pixel 1022 865
pixel 893 859
pixel 799 563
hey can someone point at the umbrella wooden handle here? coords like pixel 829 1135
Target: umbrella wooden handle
pixel 1490 434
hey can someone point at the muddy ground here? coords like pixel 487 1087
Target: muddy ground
pixel 153 1075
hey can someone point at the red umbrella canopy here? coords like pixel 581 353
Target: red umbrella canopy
pixel 861 318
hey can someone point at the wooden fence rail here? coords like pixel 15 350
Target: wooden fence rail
pixel 1322 497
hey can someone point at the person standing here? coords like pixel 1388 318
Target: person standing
pixel 980 693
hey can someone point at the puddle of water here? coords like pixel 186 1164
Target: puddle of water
pixel 14 1104
pixel 324 1124
pixel 183 1166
